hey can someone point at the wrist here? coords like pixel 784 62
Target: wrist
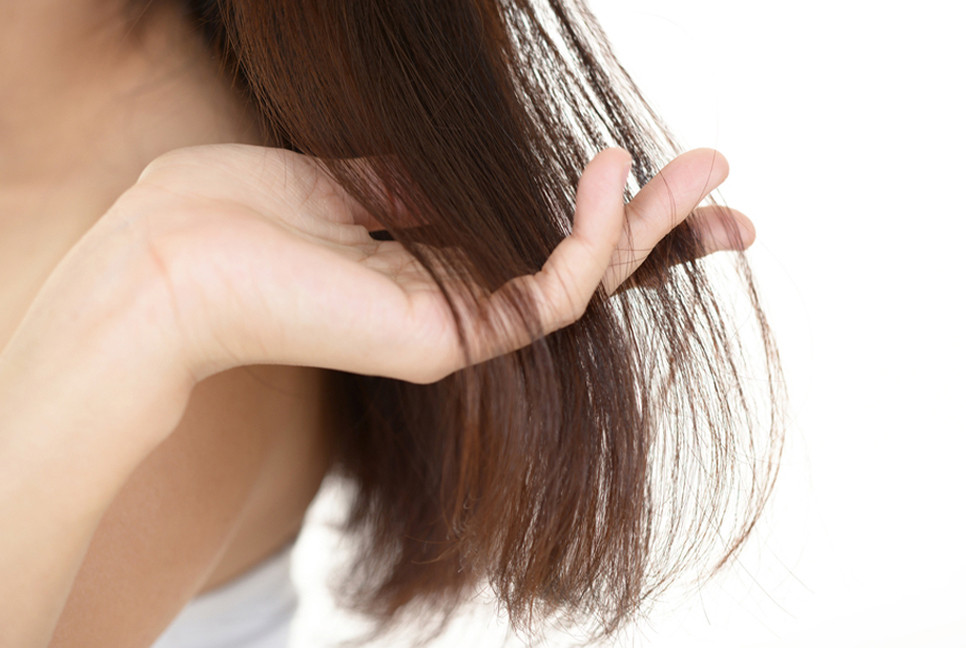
pixel 105 391
pixel 98 353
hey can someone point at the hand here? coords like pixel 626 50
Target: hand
pixel 268 261
pixel 230 255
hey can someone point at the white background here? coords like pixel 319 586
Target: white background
pixel 844 126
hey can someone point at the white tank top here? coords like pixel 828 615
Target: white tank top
pixel 253 610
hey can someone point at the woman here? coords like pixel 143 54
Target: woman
pixel 377 265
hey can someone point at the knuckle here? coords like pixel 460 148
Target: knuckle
pixel 574 312
pixel 426 373
pixel 563 306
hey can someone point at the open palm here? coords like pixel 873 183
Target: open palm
pixel 268 261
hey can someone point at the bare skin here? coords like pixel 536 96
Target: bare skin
pixel 190 425
pixel 77 127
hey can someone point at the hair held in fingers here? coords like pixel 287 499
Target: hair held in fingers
pixel 579 476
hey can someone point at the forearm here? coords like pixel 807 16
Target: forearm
pixel 53 491
pixel 78 413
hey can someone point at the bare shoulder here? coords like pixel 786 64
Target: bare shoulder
pixel 228 488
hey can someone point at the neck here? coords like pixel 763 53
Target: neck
pixel 81 90
pixel 85 103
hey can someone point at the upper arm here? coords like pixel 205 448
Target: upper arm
pixel 167 529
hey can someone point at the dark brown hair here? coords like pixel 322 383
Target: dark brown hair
pixel 579 475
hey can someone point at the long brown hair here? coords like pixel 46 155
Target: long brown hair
pixel 580 475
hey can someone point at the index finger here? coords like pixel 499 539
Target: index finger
pixel 562 288
pixel 661 205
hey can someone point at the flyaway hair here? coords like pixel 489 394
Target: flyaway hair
pixel 577 477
